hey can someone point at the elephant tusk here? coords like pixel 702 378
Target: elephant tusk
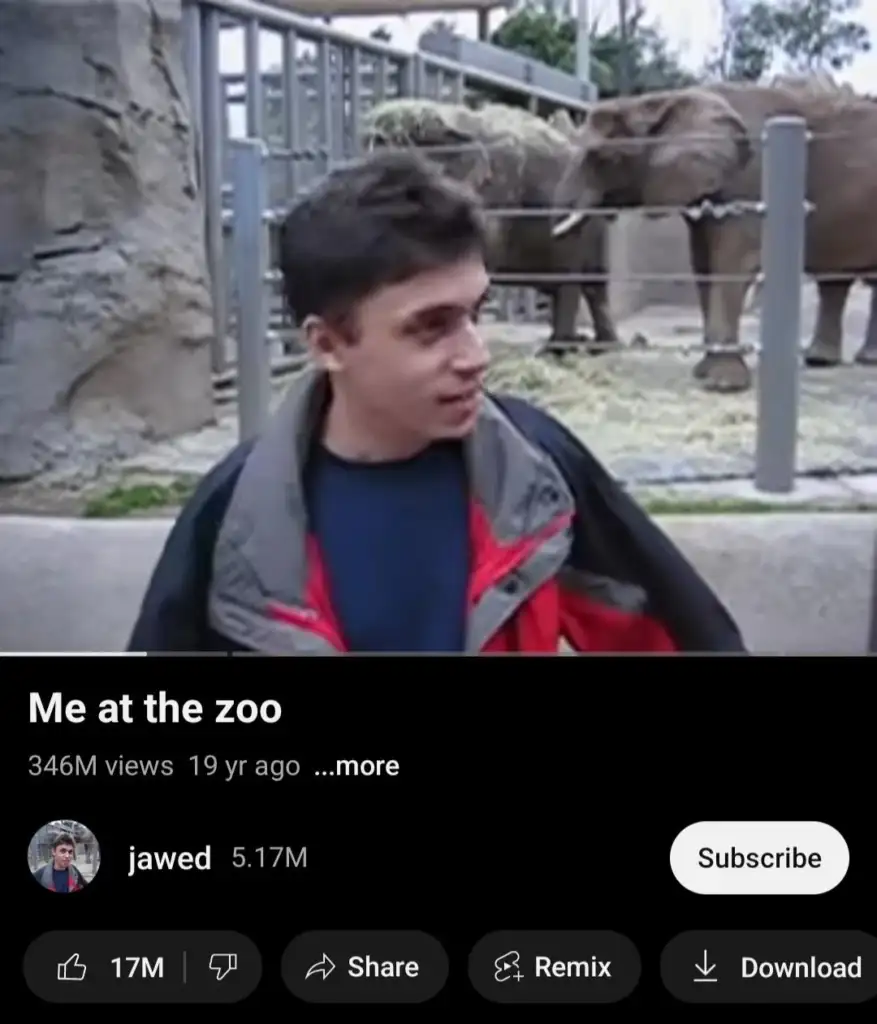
pixel 569 223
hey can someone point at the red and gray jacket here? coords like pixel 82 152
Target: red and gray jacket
pixel 45 877
pixel 561 552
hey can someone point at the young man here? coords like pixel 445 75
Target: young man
pixel 392 504
pixel 61 875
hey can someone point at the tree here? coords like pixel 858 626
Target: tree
pixel 540 32
pixel 806 35
pixel 749 39
pixel 817 35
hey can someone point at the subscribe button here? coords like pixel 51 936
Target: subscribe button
pixel 759 858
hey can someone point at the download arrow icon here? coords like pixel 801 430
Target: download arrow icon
pixel 706 970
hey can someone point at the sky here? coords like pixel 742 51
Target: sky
pixel 691 25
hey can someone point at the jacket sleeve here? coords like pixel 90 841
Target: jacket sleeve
pixel 173 614
pixel 626 586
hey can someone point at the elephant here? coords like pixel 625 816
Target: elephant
pixel 512 159
pixel 677 148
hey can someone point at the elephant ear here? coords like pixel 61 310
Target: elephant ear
pixel 696 144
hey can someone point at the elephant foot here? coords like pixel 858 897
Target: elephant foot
pixel 821 355
pixel 724 374
pixel 567 344
pixel 866 356
pixel 701 368
pixel 600 346
pixel 555 348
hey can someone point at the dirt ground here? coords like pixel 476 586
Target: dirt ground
pixel 639 410
pixel 642 414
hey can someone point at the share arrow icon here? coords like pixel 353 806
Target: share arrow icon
pixel 324 967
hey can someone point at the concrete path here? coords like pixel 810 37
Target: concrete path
pixel 797 583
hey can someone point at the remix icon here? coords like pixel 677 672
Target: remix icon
pixel 223 964
pixel 506 964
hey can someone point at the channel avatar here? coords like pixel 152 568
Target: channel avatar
pixel 64 856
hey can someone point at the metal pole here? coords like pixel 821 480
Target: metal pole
pixel 583 41
pixel 872 639
pixel 213 113
pixel 192 61
pixel 784 175
pixel 249 246
pixel 483 25
pixel 624 62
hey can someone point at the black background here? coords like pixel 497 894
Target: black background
pixel 533 794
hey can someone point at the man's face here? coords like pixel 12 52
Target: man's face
pixel 62 854
pixel 417 366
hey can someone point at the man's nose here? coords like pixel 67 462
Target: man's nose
pixel 473 355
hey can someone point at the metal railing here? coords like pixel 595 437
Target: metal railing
pixel 308 113
pixel 300 120
pixel 783 209
pixel 872 633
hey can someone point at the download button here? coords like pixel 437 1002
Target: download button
pixel 771 967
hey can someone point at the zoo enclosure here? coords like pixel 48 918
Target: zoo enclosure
pixel 302 119
pixel 306 106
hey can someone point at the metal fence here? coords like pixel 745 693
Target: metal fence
pixel 782 263
pixel 299 121
pixel 306 107
pixel 872 635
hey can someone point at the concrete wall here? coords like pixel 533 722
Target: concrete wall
pixel 797 584
pixel 640 245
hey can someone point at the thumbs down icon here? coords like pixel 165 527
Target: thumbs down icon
pixel 223 964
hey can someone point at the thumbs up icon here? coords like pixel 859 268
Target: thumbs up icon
pixel 71 969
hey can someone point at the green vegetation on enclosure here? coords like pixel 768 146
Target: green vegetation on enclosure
pixel 742 506
pixel 133 498
pixel 129 499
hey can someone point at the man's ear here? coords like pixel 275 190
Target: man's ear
pixel 323 343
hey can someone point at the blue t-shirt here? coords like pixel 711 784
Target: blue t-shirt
pixel 394 538
pixel 59 879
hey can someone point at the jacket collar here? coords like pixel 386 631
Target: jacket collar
pixel 262 548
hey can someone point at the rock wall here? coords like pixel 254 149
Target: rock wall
pixel 105 307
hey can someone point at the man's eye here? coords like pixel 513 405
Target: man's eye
pixel 431 329
pixel 439 322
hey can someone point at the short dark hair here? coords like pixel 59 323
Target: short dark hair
pixel 372 223
pixel 63 840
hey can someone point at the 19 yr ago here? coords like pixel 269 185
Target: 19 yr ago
pixel 146 860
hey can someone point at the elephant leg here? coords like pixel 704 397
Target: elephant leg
pixel 867 354
pixel 597 297
pixel 698 248
pixel 567 300
pixel 733 250
pixel 825 346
